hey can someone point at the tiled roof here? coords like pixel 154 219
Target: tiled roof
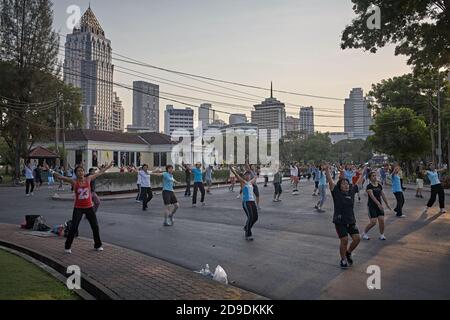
pixel 154 138
pixel 41 152
pixel 103 136
pixel 151 138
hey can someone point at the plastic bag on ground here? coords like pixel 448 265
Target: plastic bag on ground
pixel 206 272
pixel 220 275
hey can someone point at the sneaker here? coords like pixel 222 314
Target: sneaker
pixel 382 237
pixel 250 238
pixel 344 264
pixel 349 258
pixel 275 200
pixel 402 216
pixel 425 211
pixel 68 251
pixel 32 194
pixel 316 207
pixel 194 206
pixel 443 211
pixel 238 197
pixel 99 249
pixel 27 195
pixel 365 237
pixel 166 224
pixel 137 201
pixel 321 210
pixel 171 220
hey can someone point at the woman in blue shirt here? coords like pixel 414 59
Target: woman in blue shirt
pixel 398 192
pixel 171 204
pixel 248 201
pixel 436 188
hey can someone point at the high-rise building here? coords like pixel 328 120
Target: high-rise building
pixel 175 119
pixel 206 115
pixel 118 114
pixel 88 66
pixel 292 124
pixel 237 118
pixel 307 120
pixel 357 115
pixel 270 114
pixel 145 106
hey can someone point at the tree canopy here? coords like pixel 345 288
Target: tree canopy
pixel 420 29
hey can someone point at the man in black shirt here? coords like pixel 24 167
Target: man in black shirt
pixel 344 217
pixel 188 172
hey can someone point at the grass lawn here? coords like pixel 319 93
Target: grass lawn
pixel 22 280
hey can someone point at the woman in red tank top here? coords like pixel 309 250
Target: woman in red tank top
pixel 83 205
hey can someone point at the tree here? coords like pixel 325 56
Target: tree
pixel 30 86
pixel 420 29
pixel 401 133
pixel 357 151
pixel 317 147
pixel 418 92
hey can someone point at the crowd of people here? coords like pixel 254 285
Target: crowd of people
pixel 345 182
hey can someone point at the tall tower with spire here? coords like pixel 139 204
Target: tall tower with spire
pixel 270 114
pixel 88 66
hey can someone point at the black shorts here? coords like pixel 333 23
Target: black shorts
pixel 343 230
pixel 256 190
pixel 278 189
pixel 316 184
pixel 375 212
pixel 169 197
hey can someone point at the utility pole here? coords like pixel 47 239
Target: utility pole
pixel 63 124
pixel 439 123
pixel 57 127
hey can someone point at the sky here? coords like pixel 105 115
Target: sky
pixel 294 43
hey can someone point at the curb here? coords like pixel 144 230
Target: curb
pixel 91 286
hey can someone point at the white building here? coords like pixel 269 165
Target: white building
pixel 307 120
pixel 270 114
pixel 145 106
pixel 357 115
pixel 336 137
pixel 94 148
pixel 88 66
pixel 175 119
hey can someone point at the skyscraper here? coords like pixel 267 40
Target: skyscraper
pixel 118 114
pixel 237 118
pixel 270 114
pixel 175 119
pixel 145 106
pixel 357 115
pixel 307 120
pixel 88 66
pixel 206 115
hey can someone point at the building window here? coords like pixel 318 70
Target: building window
pixel 160 159
pixel 94 158
pixel 78 157
pixel 116 158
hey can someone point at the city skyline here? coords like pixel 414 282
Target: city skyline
pixel 333 76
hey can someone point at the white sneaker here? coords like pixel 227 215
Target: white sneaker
pixel 68 251
pixel 402 216
pixel 365 236
pixel 443 211
pixel 194 206
pixel 238 197
pixel 27 195
pixel 99 249
pixel 382 237
pixel 425 211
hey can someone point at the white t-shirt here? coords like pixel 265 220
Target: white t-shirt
pixel 294 171
pixel 145 179
pixel 29 172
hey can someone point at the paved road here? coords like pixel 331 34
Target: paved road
pixel 295 252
